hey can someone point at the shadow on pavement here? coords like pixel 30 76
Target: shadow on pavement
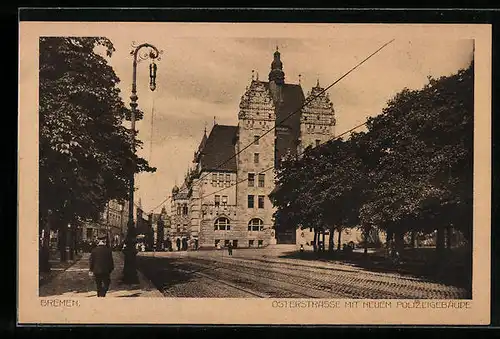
pixel 453 269
pixel 165 272
pixel 129 296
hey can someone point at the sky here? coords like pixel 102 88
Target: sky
pixel 202 77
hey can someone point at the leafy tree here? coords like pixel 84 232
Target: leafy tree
pixel 85 153
pixel 331 184
pixel 411 171
pixel 418 154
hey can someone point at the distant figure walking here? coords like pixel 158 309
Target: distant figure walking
pixel 101 265
pixel 178 244
pixel 230 248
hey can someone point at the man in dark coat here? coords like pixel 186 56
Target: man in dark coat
pixel 101 265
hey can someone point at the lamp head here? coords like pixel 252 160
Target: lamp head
pixel 152 75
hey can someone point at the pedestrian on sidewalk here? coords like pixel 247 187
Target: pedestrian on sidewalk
pixel 230 248
pixel 101 265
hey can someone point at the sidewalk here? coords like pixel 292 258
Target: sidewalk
pixel 75 282
pixel 56 267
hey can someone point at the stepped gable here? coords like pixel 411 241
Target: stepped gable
pixel 321 104
pixel 219 147
pixel 183 193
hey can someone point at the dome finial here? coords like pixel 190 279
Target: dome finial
pixel 300 77
pixel 317 82
pixel 253 71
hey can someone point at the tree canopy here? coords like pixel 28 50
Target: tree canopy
pixel 85 153
pixel 411 170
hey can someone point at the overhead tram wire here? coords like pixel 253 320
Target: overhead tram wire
pixel 161 203
pixel 298 155
pixel 310 99
pixel 307 101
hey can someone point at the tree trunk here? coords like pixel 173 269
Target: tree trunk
pixel 44 256
pixel 366 235
pixel 323 240
pixel 440 242
pixel 62 238
pixel 331 245
pixel 399 238
pixel 339 239
pixel 71 243
pixel 449 234
pixel 315 240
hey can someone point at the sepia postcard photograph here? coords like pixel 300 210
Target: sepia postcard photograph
pixel 254 173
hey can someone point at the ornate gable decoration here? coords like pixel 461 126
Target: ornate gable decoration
pixel 256 103
pixel 318 110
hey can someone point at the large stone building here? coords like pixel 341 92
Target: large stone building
pixel 228 198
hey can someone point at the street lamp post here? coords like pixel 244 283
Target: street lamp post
pixel 129 267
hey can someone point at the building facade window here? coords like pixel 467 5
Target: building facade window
pixel 217 200
pixel 251 179
pixel 256 224
pixel 214 179
pixel 318 142
pixel 251 243
pixel 184 209
pixel 261 201
pixel 217 242
pixel 222 224
pixel 224 200
pixel 256 139
pixel 250 201
pixel 256 158
pixel 228 178
pixel 179 209
pixel 260 243
pixel 261 180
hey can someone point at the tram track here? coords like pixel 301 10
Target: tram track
pixel 250 278
pixel 355 287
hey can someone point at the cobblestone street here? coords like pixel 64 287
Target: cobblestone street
pixel 251 273
pixel 75 282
